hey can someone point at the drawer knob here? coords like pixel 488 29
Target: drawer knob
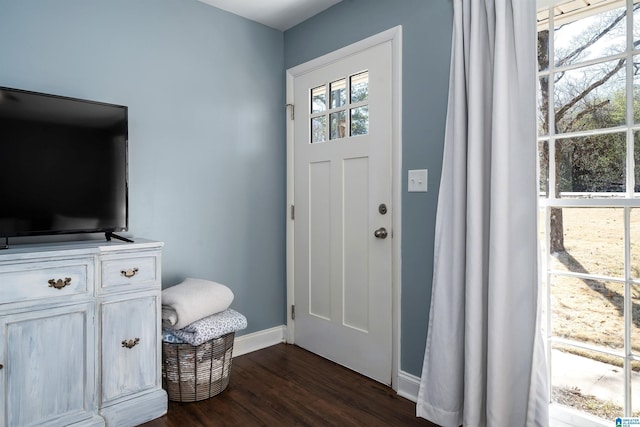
pixel 130 343
pixel 59 284
pixel 129 273
pixel 1 366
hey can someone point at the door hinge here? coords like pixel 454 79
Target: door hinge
pixel 293 212
pixel 292 110
pixel 293 312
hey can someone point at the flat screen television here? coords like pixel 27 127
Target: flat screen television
pixel 63 165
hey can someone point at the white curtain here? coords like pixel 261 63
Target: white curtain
pixel 484 362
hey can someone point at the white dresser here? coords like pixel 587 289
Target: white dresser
pixel 80 334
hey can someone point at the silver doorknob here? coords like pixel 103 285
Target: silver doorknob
pixel 381 233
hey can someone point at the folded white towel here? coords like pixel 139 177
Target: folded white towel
pixel 192 300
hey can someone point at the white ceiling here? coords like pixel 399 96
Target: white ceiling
pixel 278 14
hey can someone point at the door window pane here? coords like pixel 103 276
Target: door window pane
pixel 360 120
pixel 338 93
pixel 359 87
pixel 318 99
pixel 338 124
pixel 319 129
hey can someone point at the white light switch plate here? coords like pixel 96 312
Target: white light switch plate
pixel 417 181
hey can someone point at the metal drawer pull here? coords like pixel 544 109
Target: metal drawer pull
pixel 59 284
pixel 129 273
pixel 130 343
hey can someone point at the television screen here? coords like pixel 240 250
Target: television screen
pixel 63 165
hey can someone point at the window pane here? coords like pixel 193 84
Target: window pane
pixel 593 37
pixel 590 97
pixel 591 164
pixel 593 241
pixel 543 106
pixel 360 87
pixel 543 248
pixel 338 93
pixel 319 129
pixel 636 23
pixel 588 311
pixel 543 157
pixel 577 379
pixel 543 40
pixel 360 120
pixel 338 124
pixel 636 87
pixel 319 99
pixel 635 388
pixel 634 229
pixel 636 159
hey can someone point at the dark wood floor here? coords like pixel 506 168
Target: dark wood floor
pixel 284 385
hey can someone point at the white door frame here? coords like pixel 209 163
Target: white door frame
pixel 394 35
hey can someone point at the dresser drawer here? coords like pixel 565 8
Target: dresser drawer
pixel 54 279
pixel 130 271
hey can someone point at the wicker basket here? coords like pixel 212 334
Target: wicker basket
pixel 191 373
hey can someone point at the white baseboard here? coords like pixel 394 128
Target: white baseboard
pixel 408 386
pixel 258 340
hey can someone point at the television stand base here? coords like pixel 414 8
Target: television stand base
pixel 6 244
pixel 110 234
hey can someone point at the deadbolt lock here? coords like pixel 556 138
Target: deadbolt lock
pixel 382 208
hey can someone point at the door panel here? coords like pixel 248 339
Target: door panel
pixel 356 243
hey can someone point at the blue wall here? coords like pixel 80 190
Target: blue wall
pixel 426 48
pixel 207 147
pixel 207 143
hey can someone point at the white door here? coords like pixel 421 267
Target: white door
pixel 343 211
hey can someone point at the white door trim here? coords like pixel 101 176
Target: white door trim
pixel 394 35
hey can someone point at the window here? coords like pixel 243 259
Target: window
pixel 328 112
pixel 589 182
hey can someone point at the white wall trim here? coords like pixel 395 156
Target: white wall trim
pixel 408 386
pixel 394 35
pixel 258 340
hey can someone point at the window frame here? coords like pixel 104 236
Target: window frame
pixel 626 200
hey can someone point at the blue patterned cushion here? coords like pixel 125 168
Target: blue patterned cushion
pixel 206 329
pixel 167 336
